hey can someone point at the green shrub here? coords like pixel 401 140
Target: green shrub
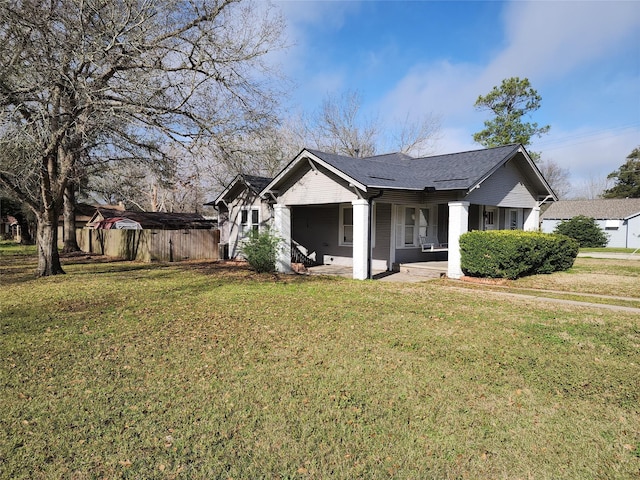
pixel 512 254
pixel 585 230
pixel 260 249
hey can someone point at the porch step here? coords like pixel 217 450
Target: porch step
pixel 425 269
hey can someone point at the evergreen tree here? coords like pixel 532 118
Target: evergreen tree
pixel 627 178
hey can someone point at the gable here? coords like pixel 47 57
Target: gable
pixel 306 186
pixel 506 187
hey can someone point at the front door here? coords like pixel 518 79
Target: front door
pixel 491 218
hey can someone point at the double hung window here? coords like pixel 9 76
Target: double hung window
pixel 346 225
pixel 249 221
pixel 411 223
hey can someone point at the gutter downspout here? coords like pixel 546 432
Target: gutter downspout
pixel 369 234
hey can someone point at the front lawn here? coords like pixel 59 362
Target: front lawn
pixel 125 370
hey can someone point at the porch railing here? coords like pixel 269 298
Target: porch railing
pixel 299 254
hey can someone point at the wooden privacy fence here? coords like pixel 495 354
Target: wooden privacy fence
pixel 151 245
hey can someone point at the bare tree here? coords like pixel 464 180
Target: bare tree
pixel 419 137
pixel 124 79
pixel 557 177
pixel 339 128
pixel 591 189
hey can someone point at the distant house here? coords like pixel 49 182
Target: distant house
pixel 83 212
pixel 113 218
pixel 9 228
pixel 150 236
pixel 380 211
pixel 619 218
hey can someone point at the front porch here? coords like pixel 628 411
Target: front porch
pixel 362 239
pixel 404 272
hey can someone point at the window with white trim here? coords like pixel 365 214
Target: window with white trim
pixel 346 225
pixel 411 223
pixel 249 221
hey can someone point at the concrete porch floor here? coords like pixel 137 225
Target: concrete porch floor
pixel 408 272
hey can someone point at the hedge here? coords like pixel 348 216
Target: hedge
pixel 513 253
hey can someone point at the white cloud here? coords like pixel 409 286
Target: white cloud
pixel 549 39
pixel 589 153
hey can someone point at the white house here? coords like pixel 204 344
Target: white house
pixel 618 217
pixel 380 211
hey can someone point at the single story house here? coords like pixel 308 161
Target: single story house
pixel 380 211
pixel 113 218
pixel 618 217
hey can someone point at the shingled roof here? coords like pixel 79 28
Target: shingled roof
pixel 454 171
pixel 157 220
pixel 602 209
pixel 255 182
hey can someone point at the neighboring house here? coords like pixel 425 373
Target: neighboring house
pixel 618 217
pixel 380 211
pixel 108 218
pixel 241 209
pixel 83 212
pixel 9 228
pixel 150 236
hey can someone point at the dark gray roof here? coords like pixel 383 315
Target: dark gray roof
pixel 454 171
pixel 256 183
pixel 160 220
pixel 602 209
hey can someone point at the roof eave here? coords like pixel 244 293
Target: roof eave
pixel 631 216
pixel 224 193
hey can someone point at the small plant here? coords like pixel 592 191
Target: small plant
pixel 260 249
pixel 585 230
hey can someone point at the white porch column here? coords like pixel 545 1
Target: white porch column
pixel 360 239
pixel 532 222
pixel 458 224
pixel 282 227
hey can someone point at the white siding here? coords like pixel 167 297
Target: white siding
pixel 315 188
pixel 617 236
pixel 633 232
pixel 505 188
pixel 246 199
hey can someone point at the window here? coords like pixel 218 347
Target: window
pixel 249 221
pixel 612 224
pixel 411 222
pixel 346 225
pixel 490 218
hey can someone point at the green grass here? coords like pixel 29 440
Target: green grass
pixel 125 370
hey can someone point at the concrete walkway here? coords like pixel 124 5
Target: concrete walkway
pixel 611 255
pixel 534 295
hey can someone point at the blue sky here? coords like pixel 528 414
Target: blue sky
pixel 436 57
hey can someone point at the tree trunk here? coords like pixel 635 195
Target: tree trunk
pixel 69 214
pixel 25 232
pixel 48 257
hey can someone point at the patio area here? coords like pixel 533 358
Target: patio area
pixel 407 272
